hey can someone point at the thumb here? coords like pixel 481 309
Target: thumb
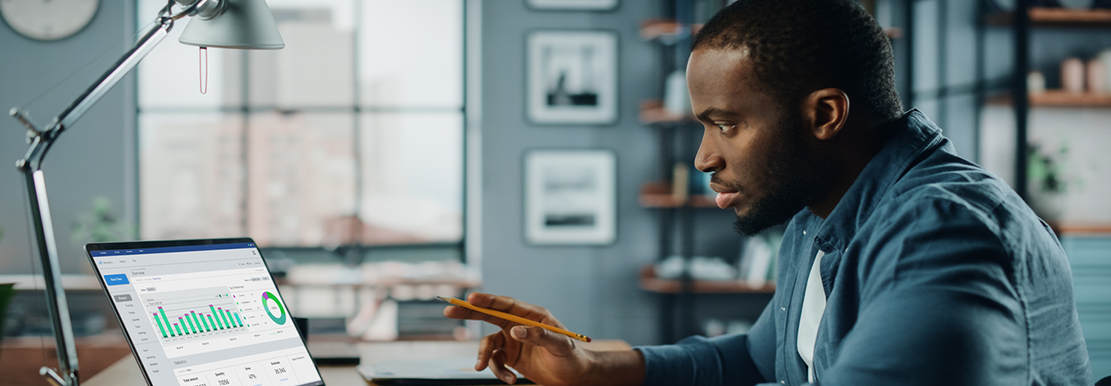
pixel 558 344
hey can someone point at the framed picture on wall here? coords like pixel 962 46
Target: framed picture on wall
pixel 570 197
pixel 572 77
pixel 573 5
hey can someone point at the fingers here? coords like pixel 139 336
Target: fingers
pixel 486 348
pixel 557 344
pixel 513 306
pixel 501 303
pixel 463 313
pixel 497 365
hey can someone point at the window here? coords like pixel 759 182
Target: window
pixel 351 134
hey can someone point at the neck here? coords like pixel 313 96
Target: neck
pixel 852 150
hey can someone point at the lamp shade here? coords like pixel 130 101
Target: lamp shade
pixel 245 24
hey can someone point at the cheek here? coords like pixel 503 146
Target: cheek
pixel 743 156
pixel 750 163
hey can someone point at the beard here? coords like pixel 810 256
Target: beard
pixel 793 179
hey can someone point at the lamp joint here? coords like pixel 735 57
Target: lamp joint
pixel 25 120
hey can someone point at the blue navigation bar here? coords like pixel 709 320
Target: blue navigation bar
pixel 191 248
pixel 118 279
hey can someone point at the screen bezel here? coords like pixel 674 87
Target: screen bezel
pixel 89 248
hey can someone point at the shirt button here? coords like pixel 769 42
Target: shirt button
pixel 783 308
pixel 783 382
pixel 803 232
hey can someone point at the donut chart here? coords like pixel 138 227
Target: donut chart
pixel 269 297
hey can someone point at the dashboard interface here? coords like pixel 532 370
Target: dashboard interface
pixel 205 315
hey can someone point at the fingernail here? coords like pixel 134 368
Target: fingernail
pixel 478 363
pixel 507 379
pixel 520 332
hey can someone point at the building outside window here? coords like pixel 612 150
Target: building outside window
pixel 352 134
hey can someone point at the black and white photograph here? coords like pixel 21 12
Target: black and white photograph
pixel 572 77
pixel 573 5
pixel 569 197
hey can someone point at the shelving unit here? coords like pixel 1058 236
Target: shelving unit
pixel 658 195
pixel 1022 22
pixel 651 283
pixel 1083 229
pixel 1057 17
pixel 667 30
pixel 664 31
pixel 1058 98
pixel 672 37
pixel 1085 244
pixel 653 112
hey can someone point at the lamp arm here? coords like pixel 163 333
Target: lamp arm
pixel 110 78
pixel 35 183
pixel 123 66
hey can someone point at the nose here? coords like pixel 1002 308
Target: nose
pixel 707 159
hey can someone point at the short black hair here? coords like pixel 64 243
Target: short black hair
pixel 798 46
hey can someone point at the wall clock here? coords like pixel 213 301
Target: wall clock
pixel 48 19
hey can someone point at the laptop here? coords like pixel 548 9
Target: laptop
pixel 202 313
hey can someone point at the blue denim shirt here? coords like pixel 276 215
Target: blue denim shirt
pixel 935 273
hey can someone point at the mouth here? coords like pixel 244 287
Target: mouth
pixel 726 196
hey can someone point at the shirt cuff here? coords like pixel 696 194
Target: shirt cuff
pixel 691 361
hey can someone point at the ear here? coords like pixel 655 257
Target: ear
pixel 825 112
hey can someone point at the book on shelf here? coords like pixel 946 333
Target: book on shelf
pixel 758 261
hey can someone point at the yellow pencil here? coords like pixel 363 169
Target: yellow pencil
pixel 513 318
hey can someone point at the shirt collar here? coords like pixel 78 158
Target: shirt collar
pixel 912 135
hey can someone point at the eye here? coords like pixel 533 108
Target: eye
pixel 724 127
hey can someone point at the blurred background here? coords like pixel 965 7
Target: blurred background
pixel 380 159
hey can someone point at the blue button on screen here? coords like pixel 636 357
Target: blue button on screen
pixel 119 279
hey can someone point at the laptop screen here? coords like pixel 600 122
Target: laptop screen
pixel 203 313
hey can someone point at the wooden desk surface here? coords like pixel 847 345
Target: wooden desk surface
pixel 126 372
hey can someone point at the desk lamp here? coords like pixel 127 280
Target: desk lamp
pixel 242 24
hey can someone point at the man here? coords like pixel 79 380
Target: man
pixel 903 264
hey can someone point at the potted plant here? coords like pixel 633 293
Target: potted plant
pixel 1047 181
pixel 101 224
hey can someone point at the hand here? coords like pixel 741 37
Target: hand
pixel 545 357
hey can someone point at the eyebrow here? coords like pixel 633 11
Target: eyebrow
pixel 705 114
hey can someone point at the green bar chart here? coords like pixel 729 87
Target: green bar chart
pixel 192 323
pixel 160 326
pixel 200 321
pixel 218 323
pixel 196 314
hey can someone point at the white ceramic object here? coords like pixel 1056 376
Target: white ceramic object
pixel 1105 58
pixel 1035 83
pixel 676 98
pixel 1072 75
pixel 1096 77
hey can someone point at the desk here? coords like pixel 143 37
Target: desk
pixel 126 371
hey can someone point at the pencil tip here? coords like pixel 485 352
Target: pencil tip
pixel 442 298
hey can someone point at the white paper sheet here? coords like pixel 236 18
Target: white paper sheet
pixel 440 368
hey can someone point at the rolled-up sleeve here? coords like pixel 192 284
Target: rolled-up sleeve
pixel 741 359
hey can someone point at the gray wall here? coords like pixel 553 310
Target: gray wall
pixel 91 159
pixel 592 290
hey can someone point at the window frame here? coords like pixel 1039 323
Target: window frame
pixel 356 109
